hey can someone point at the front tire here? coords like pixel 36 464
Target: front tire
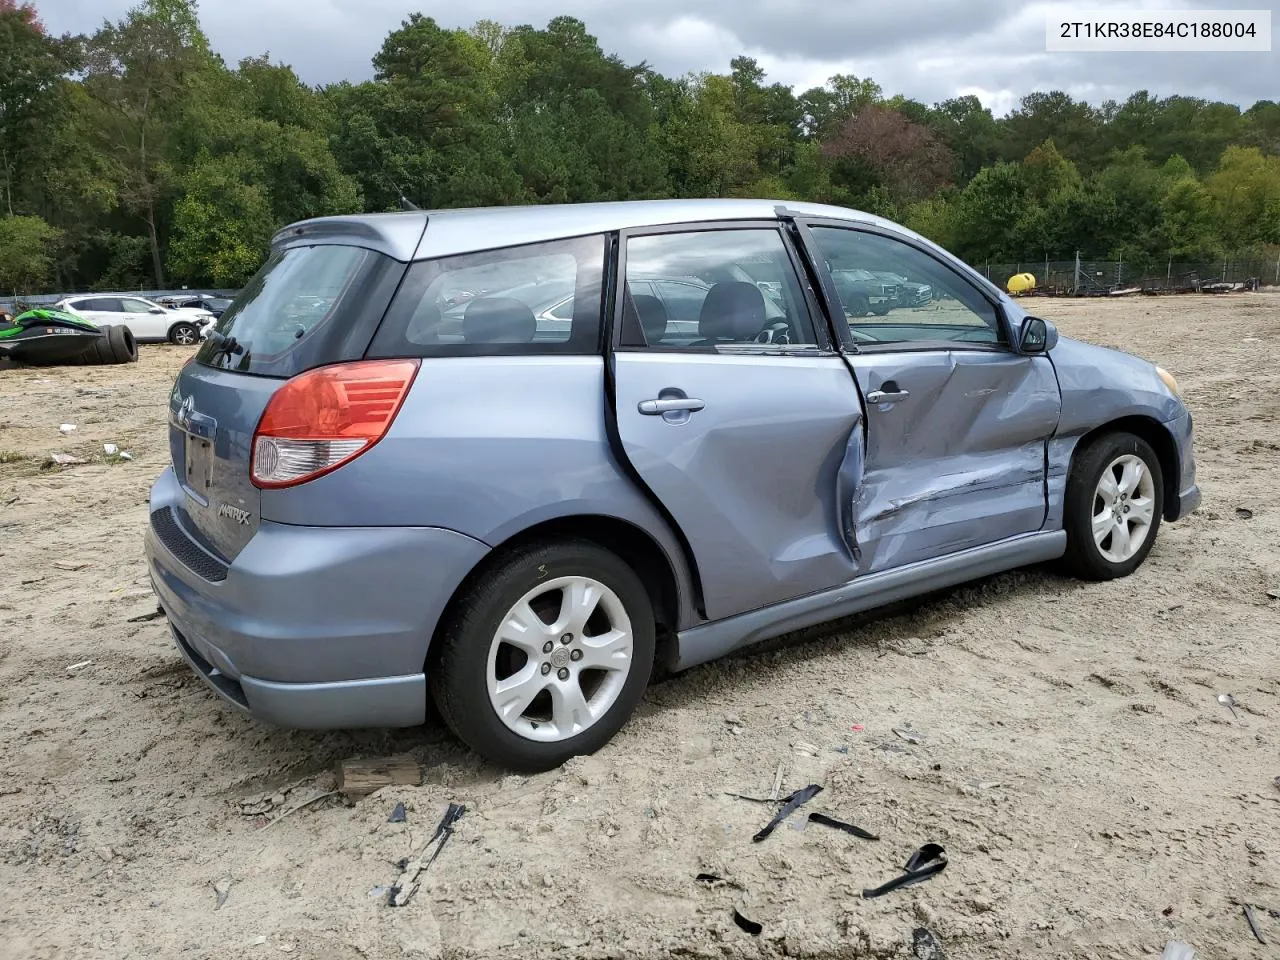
pixel 1114 501
pixel 184 334
pixel 547 657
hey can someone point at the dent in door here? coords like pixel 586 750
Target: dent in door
pixel 958 463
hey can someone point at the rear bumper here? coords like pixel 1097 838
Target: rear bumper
pixel 311 627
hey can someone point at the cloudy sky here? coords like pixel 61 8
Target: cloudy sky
pixel 926 49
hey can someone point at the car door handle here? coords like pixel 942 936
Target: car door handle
pixel 654 408
pixel 887 396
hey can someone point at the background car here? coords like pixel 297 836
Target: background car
pixel 147 320
pixel 201 301
pixel 909 294
pixel 864 292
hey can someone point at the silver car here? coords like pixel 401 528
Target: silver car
pixel 376 498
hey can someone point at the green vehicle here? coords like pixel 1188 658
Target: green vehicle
pixel 44 337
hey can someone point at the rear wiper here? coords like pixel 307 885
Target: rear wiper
pixel 224 346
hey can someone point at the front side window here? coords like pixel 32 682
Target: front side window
pixel 137 306
pixel 537 298
pixel 892 292
pixel 713 289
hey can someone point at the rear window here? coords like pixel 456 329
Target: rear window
pixel 533 299
pixel 307 306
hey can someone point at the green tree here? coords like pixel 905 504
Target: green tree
pixel 1246 191
pixel 26 253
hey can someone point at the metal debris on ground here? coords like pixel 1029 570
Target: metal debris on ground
pixel 909 735
pixel 77 667
pixel 791 804
pixel 925 946
pixel 1177 950
pixel 928 861
pixel 1253 924
pixel 222 888
pixel 1274 594
pixel 65 459
pixel 397 814
pixel 1228 701
pixel 407 885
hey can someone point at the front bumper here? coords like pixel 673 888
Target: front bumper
pixel 310 627
pixel 1188 496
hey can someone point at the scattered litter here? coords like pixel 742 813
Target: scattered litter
pixel 379 893
pixel 925 946
pixel 791 804
pixel 1228 701
pixel 143 618
pixel 1253 924
pixel 67 428
pixel 258 804
pixel 29 580
pixel 1177 950
pixel 929 860
pixel 77 667
pixel 258 941
pixel 1274 594
pixel 711 879
pixel 750 926
pixel 222 888
pixel 777 780
pixel 305 803
pixel 828 821
pixel 909 735
pixel 71 565
pixel 126 455
pixel 65 459
pixel 856 728
pixel 1244 513
pixel 397 815
pixel 110 449
pixel 407 885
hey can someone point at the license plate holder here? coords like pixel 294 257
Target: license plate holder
pixel 199 463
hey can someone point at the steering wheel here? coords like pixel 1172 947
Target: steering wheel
pixel 777 332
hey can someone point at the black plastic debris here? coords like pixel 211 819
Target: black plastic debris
pixel 1253 924
pixel 407 884
pixel 828 821
pixel 750 926
pixel 928 861
pixel 790 805
pixel 925 946
pixel 711 879
pixel 397 815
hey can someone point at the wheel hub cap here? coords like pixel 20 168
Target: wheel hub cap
pixel 1123 508
pixel 559 658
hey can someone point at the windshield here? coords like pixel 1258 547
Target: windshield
pixel 299 309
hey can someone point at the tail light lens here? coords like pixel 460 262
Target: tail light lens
pixel 326 417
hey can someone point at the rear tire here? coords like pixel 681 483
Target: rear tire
pixel 184 334
pixel 123 345
pixel 1113 505
pixel 509 684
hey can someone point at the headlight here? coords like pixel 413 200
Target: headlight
pixel 1169 382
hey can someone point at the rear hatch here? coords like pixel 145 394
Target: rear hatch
pixel 308 306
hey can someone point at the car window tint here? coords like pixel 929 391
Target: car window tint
pixel 109 304
pixel 892 292
pixel 535 298
pixel 716 289
pixel 137 306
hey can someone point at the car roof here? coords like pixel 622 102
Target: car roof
pixel 426 234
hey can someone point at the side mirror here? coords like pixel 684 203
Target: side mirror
pixel 1037 336
pixel 156 310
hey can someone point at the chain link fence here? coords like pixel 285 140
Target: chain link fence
pixel 16 303
pixel 1093 277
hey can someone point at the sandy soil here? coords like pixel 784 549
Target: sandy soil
pixel 1093 797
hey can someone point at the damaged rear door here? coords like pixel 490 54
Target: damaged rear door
pixel 956 420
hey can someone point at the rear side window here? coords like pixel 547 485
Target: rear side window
pixel 307 306
pixel 534 299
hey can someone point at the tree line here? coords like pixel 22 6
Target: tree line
pixel 136 157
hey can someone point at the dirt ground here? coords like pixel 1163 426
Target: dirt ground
pixel 1093 797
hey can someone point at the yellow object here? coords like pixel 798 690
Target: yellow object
pixel 1020 283
pixel 1167 377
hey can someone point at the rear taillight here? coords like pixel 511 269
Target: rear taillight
pixel 326 417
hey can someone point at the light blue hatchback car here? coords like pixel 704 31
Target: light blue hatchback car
pixel 508 458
